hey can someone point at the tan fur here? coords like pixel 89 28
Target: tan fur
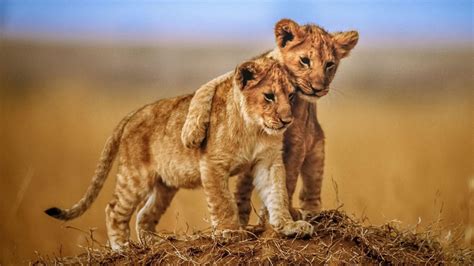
pixel 308 52
pixel 197 121
pixel 245 132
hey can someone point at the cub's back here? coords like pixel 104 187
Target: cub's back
pixel 152 143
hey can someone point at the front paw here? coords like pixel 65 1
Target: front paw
pixel 297 229
pixel 230 235
pixel 192 139
pixel 119 247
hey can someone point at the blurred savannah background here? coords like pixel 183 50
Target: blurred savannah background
pixel 398 118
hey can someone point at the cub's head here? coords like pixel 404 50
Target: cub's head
pixel 265 94
pixel 312 55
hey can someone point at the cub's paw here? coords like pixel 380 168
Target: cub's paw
pixel 298 229
pixel 119 247
pixel 230 236
pixel 192 136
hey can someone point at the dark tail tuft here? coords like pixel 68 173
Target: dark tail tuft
pixel 54 212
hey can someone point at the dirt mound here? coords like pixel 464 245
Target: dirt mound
pixel 338 238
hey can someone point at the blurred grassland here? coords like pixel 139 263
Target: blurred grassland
pixel 398 124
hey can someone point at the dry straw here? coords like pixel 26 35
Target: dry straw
pixel 339 239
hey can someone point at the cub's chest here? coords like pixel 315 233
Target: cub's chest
pixel 249 154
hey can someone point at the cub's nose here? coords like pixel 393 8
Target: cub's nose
pixel 286 121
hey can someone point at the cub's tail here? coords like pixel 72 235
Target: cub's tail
pixel 103 168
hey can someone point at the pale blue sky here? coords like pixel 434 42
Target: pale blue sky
pixel 142 20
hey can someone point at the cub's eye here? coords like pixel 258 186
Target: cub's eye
pixel 269 97
pixel 291 96
pixel 305 61
pixel 329 65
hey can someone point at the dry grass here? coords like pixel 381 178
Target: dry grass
pixel 338 239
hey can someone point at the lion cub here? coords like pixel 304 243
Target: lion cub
pixel 251 110
pixel 312 55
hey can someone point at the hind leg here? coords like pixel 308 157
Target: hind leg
pixel 293 158
pixel 312 175
pixel 130 190
pixel 242 197
pixel 155 206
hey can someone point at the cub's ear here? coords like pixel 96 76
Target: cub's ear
pixel 247 75
pixel 344 42
pixel 288 33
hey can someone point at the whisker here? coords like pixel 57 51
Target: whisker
pixel 340 92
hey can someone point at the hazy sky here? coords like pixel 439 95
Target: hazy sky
pixel 385 21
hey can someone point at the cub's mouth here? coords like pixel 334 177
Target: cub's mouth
pixel 275 130
pixel 314 92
